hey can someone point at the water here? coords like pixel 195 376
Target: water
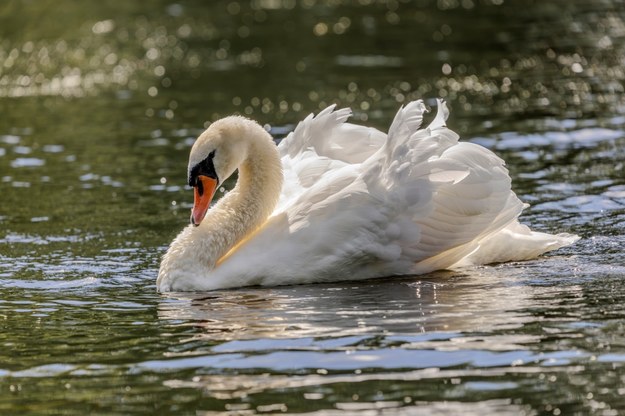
pixel 100 104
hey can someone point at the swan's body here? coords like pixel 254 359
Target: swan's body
pixel 335 201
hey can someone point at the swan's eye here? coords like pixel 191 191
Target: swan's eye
pixel 205 168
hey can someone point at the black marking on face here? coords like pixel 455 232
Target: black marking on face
pixel 205 168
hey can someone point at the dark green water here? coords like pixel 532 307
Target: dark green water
pixel 99 104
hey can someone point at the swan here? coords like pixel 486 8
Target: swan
pixel 337 201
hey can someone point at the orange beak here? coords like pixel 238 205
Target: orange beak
pixel 202 197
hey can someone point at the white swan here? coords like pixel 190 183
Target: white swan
pixel 336 201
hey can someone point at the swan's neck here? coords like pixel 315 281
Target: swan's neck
pixel 197 250
pixel 248 205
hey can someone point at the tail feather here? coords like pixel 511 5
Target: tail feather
pixel 514 243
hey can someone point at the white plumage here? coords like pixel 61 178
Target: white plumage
pixel 336 201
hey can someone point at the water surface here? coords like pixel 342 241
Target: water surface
pixel 100 104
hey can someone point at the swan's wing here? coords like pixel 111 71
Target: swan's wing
pixel 457 194
pixel 328 135
pixel 406 122
pixel 409 149
pixel 424 196
pixel 320 145
pixel 466 212
pixel 310 132
pixel 351 143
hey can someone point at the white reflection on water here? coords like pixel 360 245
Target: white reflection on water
pixel 483 299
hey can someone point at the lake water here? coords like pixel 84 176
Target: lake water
pixel 100 102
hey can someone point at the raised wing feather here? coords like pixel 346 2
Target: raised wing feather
pixel 320 145
pixel 313 131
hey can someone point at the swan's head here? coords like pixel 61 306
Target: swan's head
pixel 214 157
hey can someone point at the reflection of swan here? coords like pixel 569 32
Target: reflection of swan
pixel 355 204
pixel 471 301
pixel 342 309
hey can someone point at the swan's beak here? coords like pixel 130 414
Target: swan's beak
pixel 202 197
